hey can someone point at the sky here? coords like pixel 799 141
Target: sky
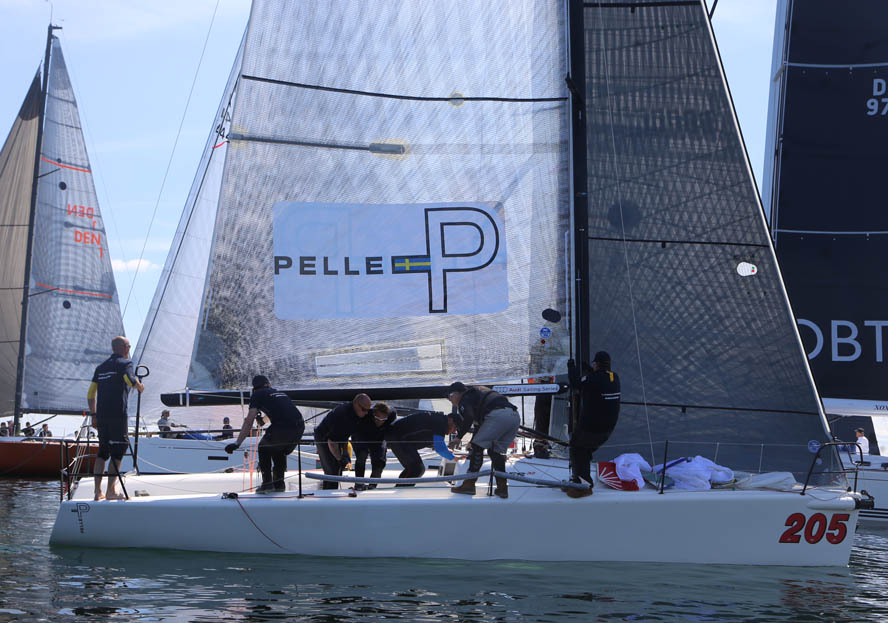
pixel 133 64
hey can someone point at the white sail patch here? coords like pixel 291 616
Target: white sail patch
pixel 358 260
pixel 745 269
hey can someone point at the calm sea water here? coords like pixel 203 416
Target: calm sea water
pixel 42 584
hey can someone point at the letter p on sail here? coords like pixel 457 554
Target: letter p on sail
pixel 464 240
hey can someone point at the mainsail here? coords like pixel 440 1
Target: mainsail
pixel 70 299
pixel 828 126
pixel 685 291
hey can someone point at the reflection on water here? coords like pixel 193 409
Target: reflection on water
pixel 37 583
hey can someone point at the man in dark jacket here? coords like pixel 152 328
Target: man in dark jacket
pixel 495 422
pixel 334 431
pixel 107 398
pixel 426 429
pixel 600 391
pixel 281 437
pixel 369 440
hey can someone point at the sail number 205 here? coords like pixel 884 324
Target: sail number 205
pixel 815 527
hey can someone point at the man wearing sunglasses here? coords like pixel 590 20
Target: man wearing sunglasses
pixel 333 433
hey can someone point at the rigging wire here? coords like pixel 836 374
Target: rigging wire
pixel 613 137
pixel 172 153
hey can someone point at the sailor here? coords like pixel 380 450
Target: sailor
pixel 279 440
pixel 227 430
pixel 44 431
pixel 334 431
pixel 862 441
pixel 496 422
pixel 281 437
pixel 600 402
pixel 426 429
pixel 4 431
pixel 28 430
pixel 112 380
pixel 165 426
pixel 369 440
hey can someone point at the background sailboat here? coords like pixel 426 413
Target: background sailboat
pixel 823 185
pixel 59 300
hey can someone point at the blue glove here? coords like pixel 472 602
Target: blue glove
pixel 441 447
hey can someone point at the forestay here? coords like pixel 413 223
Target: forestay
pixel 685 292
pixel 394 198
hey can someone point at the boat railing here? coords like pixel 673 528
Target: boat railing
pixel 837 445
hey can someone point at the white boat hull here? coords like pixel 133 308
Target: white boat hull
pixel 716 527
pixel 873 479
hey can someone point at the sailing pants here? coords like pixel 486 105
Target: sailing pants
pixel 112 437
pixel 497 431
pixel 582 444
pixel 408 455
pixel 332 466
pixel 274 447
pixel 376 451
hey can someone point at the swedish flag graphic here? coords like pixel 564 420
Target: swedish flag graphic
pixel 411 264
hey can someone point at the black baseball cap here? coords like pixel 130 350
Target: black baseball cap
pixel 602 357
pixel 260 380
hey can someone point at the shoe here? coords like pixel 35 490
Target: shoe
pixel 360 487
pixel 467 487
pixel 280 487
pixel 502 488
pixel 265 488
pixel 577 493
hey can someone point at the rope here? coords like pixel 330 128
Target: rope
pixel 255 525
pixel 625 249
pixel 170 163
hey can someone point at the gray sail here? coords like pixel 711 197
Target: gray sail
pixel 167 338
pixel 685 291
pixel 16 180
pixel 73 309
pixel 393 209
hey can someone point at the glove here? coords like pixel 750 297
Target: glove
pixel 231 448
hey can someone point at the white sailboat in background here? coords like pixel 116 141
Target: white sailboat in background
pixel 827 129
pixel 403 193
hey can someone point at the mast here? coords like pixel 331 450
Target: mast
pixel 576 82
pixel 26 285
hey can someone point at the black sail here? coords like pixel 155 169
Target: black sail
pixel 685 292
pixel 829 124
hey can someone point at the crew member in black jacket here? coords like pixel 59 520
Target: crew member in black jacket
pixel 281 437
pixel 600 391
pixel 425 429
pixel 496 422
pixel 369 440
pixel 334 431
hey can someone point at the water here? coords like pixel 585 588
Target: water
pixel 42 584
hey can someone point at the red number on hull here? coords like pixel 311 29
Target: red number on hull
pixel 815 528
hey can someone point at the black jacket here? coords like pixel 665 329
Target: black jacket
pixel 419 429
pixel 601 401
pixel 476 403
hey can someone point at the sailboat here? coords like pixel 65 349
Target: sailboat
pixel 427 192
pixel 58 298
pixel 823 169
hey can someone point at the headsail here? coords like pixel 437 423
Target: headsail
pixel 16 180
pixel 394 212
pixel 685 292
pixel 72 306
pixel 167 337
pixel 828 130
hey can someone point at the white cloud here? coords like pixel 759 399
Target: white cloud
pixel 131 265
